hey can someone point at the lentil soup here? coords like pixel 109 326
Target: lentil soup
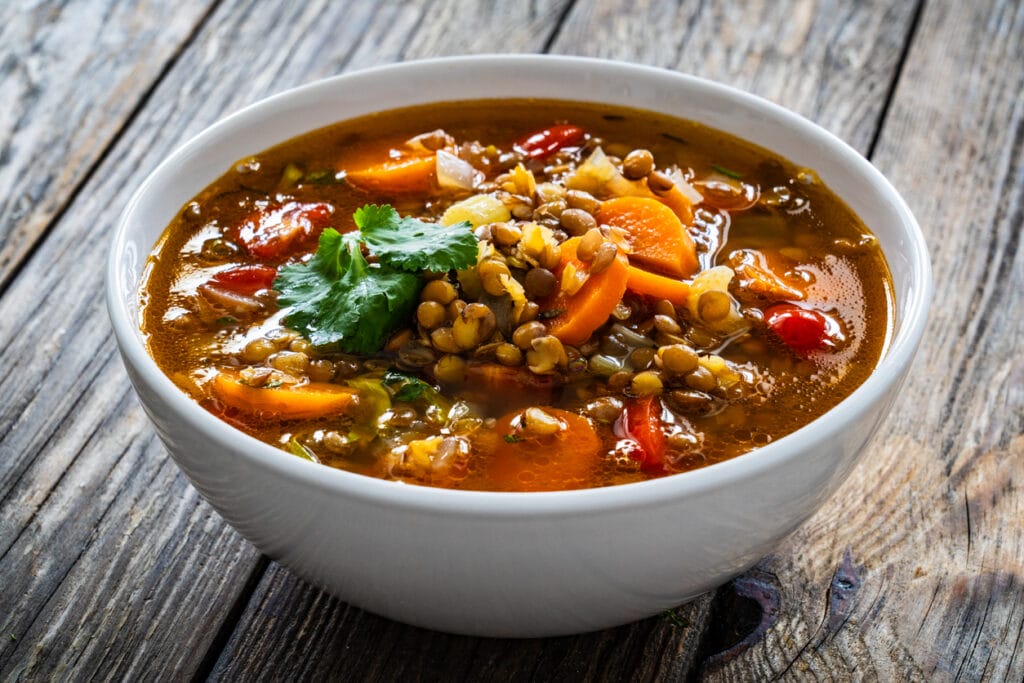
pixel 517 296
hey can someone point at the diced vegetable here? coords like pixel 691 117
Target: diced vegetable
pixel 284 402
pixel 454 173
pixel 801 329
pixel 403 175
pixel 522 460
pixel 478 210
pixel 579 314
pixel 758 275
pixel 245 280
pixel 715 280
pixel 658 238
pixel 547 141
pixel 276 233
pixel 650 284
pixel 641 421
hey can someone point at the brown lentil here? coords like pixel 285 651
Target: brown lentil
pixel 474 326
pixel 588 245
pixel 444 341
pixel 540 282
pixel 525 334
pixel 441 291
pixel 450 369
pixel 646 383
pixel 578 199
pixel 536 421
pixel 664 323
pixel 508 354
pixel 430 315
pixel 491 272
pixel 320 370
pixel 642 358
pixel 258 350
pixel 505 234
pixel 292 362
pixel 606 253
pixel 659 182
pixel 577 222
pixel 701 379
pixel 637 164
pixel 606 409
pixel 713 306
pixel 678 359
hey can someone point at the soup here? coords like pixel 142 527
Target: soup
pixel 517 296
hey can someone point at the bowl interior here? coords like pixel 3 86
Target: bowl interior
pixel 289 114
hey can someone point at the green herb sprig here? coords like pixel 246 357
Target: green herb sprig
pixel 339 298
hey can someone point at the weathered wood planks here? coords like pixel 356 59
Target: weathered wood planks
pixel 915 570
pixel 71 76
pixel 113 567
pixel 270 630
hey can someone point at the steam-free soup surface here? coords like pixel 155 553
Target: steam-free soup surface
pixel 517 295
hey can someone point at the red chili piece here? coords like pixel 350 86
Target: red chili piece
pixel 547 141
pixel 279 232
pixel 800 329
pixel 641 422
pixel 245 280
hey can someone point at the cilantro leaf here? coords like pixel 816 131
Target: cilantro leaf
pixel 339 298
pixel 406 388
pixel 414 245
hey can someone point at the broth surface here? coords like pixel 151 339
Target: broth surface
pixel 800 321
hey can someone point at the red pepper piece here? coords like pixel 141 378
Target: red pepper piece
pixel 245 280
pixel 801 329
pixel 277 233
pixel 547 141
pixel 641 422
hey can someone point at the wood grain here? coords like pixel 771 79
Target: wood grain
pixel 831 61
pixel 272 627
pixel 915 570
pixel 113 567
pixel 72 74
pixel 111 564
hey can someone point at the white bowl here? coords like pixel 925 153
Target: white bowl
pixel 516 564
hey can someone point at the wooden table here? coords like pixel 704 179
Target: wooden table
pixel 112 566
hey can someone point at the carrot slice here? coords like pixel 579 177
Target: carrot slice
pixel 656 286
pixel 398 176
pixel 563 460
pixel 656 234
pixel 575 317
pixel 288 402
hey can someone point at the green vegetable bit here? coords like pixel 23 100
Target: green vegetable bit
pixel 512 438
pixel 725 171
pixel 415 245
pixel 339 298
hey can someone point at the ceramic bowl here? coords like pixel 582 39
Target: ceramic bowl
pixel 516 564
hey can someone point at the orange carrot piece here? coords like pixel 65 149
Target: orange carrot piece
pixel 579 314
pixel 398 176
pixel 656 286
pixel 680 205
pixel 287 402
pixel 521 462
pixel 656 234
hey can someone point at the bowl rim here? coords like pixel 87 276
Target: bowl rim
pixel 896 358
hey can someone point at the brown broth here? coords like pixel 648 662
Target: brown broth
pixel 794 213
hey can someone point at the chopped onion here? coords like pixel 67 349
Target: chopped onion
pixel 688 190
pixel 455 173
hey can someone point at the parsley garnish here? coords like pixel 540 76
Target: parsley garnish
pixel 338 297
pixel 407 388
pixel 725 171
pixel 512 438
